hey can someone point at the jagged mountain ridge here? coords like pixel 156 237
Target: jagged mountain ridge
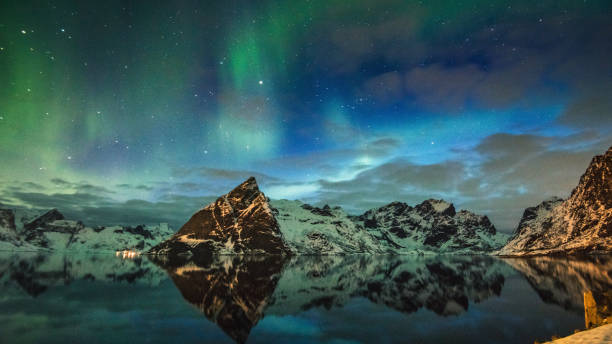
pixel 245 222
pixel 432 223
pixel 22 230
pixel 580 224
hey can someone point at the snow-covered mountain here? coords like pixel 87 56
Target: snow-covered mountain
pixel 245 221
pixel 311 230
pixel 27 230
pixel 580 224
pixel 433 225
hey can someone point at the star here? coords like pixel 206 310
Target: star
pixel 23 32
pixel 261 82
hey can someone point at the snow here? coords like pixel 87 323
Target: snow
pixel 309 232
pixel 439 205
pixel 598 335
pixel 72 236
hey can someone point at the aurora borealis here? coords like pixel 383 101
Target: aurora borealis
pixel 142 111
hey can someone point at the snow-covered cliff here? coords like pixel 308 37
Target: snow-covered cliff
pixel 580 224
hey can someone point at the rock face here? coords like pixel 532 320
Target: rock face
pixel 580 224
pixel 431 225
pixel 42 220
pixel 7 219
pixel 232 291
pixel 51 231
pixel 322 231
pixel 238 222
pixel 397 228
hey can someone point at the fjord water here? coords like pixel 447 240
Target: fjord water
pixel 56 298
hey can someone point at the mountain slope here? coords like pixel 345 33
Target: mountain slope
pixel 580 224
pixel 22 230
pixel 432 225
pixel 238 222
pixel 315 231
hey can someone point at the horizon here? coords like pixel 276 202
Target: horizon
pixel 489 106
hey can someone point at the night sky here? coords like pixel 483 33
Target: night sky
pixel 143 111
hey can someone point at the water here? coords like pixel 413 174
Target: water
pixel 372 299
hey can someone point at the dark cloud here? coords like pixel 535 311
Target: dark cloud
pixel 217 173
pixel 60 182
pixel 140 187
pixel 83 187
pixel 442 88
pixel 95 210
pixel 590 110
pixel 398 180
pixel 392 33
pixel 387 87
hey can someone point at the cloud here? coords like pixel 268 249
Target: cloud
pixel 398 180
pixel 442 88
pixel 387 87
pixel 140 187
pixel 590 110
pixel 79 186
pixel 506 173
pixel 95 210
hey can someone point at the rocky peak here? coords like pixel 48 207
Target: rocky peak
pixel 245 193
pixel 7 218
pixel 595 185
pixel 325 211
pixel 44 219
pixel 580 224
pixel 436 206
pixel 239 222
pixel 530 214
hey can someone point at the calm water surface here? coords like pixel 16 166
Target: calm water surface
pixel 353 299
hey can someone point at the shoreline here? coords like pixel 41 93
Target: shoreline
pixel 601 334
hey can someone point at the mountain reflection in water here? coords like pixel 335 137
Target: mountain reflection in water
pixel 306 299
pixel 576 284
